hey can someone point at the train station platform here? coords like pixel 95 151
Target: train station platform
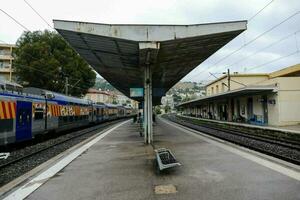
pixel 286 129
pixel 120 166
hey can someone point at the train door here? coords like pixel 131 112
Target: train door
pixel 102 114
pixel 23 121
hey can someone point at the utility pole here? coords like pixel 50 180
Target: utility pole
pixel 10 65
pixel 228 79
pixel 66 85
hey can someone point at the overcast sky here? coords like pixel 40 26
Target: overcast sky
pixel 178 12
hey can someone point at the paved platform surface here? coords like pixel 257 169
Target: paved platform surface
pixel 290 128
pixel 120 166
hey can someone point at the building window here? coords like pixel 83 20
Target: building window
pixel 212 90
pixel 217 89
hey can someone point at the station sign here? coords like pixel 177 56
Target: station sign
pixel 136 92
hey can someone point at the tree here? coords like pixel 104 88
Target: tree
pixel 43 59
pixel 167 108
pixel 157 110
pixel 177 98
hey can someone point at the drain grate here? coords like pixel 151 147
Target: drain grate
pixel 165 189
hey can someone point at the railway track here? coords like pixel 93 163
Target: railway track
pixel 285 150
pixel 26 159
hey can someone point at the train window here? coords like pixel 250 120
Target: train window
pixel 65 119
pixel 39 113
pixel 6 125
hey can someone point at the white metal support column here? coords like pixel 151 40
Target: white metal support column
pixel 148 56
pixel 148 105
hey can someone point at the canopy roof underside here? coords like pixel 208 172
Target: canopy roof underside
pixel 115 51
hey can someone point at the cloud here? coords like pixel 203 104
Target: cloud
pixel 172 12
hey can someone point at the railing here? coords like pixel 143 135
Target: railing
pixel 5 68
pixel 6 57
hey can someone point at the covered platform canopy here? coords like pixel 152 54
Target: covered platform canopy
pixel 146 58
pixel 245 91
pixel 119 52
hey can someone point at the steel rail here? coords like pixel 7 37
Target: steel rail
pixel 209 130
pixel 83 132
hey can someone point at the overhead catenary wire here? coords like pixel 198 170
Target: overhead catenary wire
pixel 250 19
pixel 47 75
pixel 43 72
pixel 28 54
pixel 257 13
pixel 250 42
pixel 259 36
pixel 266 47
pixel 11 17
pixel 274 60
pixel 296 41
pixel 36 12
pixel 3 42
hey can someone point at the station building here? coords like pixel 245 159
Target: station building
pixel 98 96
pixel 261 99
pixel 6 62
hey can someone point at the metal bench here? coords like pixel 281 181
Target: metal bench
pixel 165 159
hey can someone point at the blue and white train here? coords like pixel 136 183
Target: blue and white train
pixel 23 116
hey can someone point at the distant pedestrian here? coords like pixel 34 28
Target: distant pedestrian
pixel 140 118
pixel 134 118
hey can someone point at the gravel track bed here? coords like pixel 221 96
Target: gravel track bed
pixel 282 152
pixel 12 171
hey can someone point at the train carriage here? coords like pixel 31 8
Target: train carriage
pixel 112 111
pixel 99 113
pixel 72 112
pixel 16 116
pixel 23 116
pixel 128 111
pixel 7 119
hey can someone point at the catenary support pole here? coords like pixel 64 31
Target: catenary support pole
pixel 66 86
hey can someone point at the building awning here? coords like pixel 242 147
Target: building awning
pixel 249 90
pixel 118 52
